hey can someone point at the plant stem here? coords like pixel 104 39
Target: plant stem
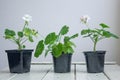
pixel 18 42
pixel 26 23
pixel 19 45
pixel 23 41
pixel 59 39
pixel 94 48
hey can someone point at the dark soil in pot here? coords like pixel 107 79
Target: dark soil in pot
pixel 95 61
pixel 19 61
pixel 62 64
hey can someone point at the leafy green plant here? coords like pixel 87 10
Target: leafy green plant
pixel 20 37
pixel 96 34
pixel 56 43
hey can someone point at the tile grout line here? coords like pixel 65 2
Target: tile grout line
pixel 77 63
pixel 75 71
pixel 106 76
pixel 46 73
pixel 12 77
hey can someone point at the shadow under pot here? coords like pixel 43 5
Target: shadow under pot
pixel 62 64
pixel 19 60
pixel 95 61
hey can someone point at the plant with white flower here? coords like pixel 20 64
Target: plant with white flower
pixel 96 34
pixel 27 18
pixel 20 37
pixel 84 19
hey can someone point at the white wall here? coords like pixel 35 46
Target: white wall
pixel 118 30
pixel 51 15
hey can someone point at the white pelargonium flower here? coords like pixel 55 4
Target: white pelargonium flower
pixel 27 18
pixel 84 19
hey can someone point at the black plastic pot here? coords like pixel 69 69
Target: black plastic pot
pixel 62 64
pixel 95 61
pixel 19 60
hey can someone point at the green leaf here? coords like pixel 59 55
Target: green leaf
pixel 94 31
pixel 57 50
pixel 9 34
pixel 64 30
pixel 104 25
pixel 24 46
pixel 70 50
pixel 8 37
pixel 66 38
pixel 50 38
pixel 64 48
pixel 31 39
pixel 71 43
pixel 67 49
pixel 20 34
pixel 113 35
pixel 87 35
pixel 99 31
pixel 34 32
pixel 84 32
pixel 39 49
pixel 106 34
pixel 27 32
pixel 74 36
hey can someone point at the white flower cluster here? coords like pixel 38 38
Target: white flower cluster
pixel 84 19
pixel 27 18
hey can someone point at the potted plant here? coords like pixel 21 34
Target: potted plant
pixel 61 48
pixel 95 58
pixel 20 59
